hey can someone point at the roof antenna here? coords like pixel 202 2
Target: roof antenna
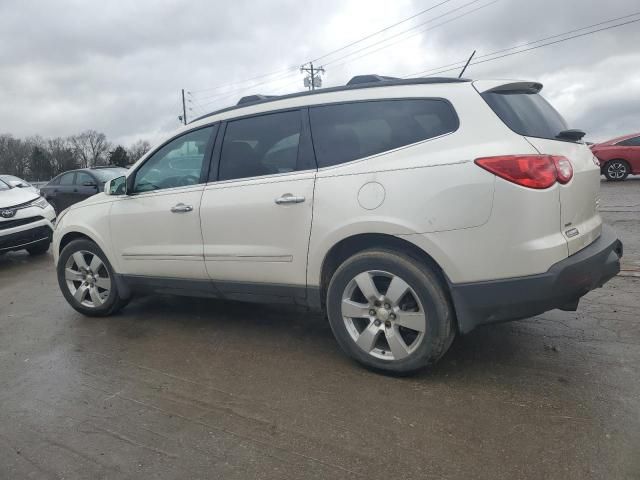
pixel 466 64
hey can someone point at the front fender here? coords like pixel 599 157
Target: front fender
pixel 91 221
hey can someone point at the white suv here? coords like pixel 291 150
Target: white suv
pixel 407 209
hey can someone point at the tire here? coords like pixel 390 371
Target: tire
pixel 39 248
pixel 95 291
pixel 388 345
pixel 616 170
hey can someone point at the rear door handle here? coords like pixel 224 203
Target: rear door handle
pixel 288 198
pixel 181 208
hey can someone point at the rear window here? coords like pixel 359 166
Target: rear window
pixel 528 114
pixel 348 131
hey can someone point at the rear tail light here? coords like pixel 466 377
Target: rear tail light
pixel 532 171
pixel 564 169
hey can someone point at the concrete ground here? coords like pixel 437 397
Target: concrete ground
pixel 185 389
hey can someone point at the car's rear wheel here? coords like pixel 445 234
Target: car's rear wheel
pixel 390 311
pixel 87 279
pixel 39 248
pixel 616 170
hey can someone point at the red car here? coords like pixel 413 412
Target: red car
pixel 619 157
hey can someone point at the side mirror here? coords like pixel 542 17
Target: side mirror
pixel 17 184
pixel 116 186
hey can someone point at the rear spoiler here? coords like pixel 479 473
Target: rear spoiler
pixel 502 86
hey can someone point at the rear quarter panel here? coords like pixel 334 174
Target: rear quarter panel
pixel 432 194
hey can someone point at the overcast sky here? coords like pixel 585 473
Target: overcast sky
pixel 118 66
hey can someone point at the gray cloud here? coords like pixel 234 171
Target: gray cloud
pixel 118 66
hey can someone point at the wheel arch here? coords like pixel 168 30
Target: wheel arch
pixel 351 245
pixel 70 237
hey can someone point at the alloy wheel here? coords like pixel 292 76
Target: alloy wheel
pixel 383 315
pixel 617 170
pixel 87 279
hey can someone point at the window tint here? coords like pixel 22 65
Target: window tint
pixel 67 179
pixel 261 145
pixel 345 132
pixel 83 177
pixel 630 142
pixel 526 113
pixel 177 164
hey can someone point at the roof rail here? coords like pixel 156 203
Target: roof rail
pixel 254 98
pixel 358 82
pixel 358 79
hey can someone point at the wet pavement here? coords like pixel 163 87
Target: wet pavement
pixel 184 388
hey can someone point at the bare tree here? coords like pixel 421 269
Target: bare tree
pixel 15 156
pixel 137 150
pixel 90 148
pixel 62 155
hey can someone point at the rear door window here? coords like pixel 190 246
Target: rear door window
pixel 67 179
pixel 348 131
pixel 528 114
pixel 262 145
pixel 83 177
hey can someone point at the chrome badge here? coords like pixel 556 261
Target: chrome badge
pixel 8 213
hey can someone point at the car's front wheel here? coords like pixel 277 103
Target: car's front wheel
pixel 616 170
pixel 390 311
pixel 87 279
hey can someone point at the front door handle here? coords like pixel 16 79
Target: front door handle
pixel 287 198
pixel 181 208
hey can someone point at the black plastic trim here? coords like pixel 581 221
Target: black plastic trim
pixel 478 303
pixel 240 291
pixel 20 240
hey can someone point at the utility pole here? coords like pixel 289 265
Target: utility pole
pixel 313 80
pixel 184 110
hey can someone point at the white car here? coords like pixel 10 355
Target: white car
pixel 408 210
pixel 26 220
pixel 17 182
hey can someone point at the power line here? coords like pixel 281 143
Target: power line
pixel 257 77
pixel 380 31
pixel 242 89
pixel 416 33
pixel 528 49
pixel 460 62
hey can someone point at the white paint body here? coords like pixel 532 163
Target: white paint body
pixel 475 225
pixel 21 196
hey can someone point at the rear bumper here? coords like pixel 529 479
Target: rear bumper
pixel 561 286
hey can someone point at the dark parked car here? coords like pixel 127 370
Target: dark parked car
pixel 619 157
pixel 76 185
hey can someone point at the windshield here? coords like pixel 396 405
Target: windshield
pixel 107 174
pixel 528 114
pixel 4 186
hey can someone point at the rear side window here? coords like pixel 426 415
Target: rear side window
pixel 528 114
pixel 67 178
pixel 82 178
pixel 630 142
pixel 349 131
pixel 263 145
